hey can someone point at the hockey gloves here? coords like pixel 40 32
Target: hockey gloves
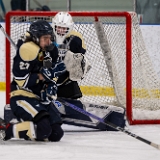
pixel 52 74
pixel 49 93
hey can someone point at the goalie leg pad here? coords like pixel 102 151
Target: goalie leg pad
pixel 115 118
pixel 112 114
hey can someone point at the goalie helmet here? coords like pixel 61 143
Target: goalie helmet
pixel 62 24
pixel 39 28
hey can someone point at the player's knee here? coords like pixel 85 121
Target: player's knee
pixel 57 133
pixel 44 128
pixel 40 116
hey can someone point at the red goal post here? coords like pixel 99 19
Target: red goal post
pixel 114 47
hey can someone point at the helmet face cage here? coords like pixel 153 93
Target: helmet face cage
pixel 39 28
pixel 62 24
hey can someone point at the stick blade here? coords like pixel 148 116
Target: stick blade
pixel 155 145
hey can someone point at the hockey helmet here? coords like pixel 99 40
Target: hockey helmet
pixel 39 28
pixel 63 20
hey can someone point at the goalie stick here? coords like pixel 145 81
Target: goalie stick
pixel 157 146
pixel 10 40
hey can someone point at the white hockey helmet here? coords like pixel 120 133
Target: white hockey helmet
pixel 62 24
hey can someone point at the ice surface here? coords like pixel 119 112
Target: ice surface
pixel 85 144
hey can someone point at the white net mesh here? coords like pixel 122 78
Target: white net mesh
pixel 99 86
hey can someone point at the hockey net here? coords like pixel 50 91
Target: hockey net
pixel 122 73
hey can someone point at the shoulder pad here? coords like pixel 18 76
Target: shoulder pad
pixel 29 51
pixel 74 33
pixel 79 35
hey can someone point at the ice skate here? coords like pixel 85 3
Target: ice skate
pixel 3 126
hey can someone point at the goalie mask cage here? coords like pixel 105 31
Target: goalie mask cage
pixel 122 73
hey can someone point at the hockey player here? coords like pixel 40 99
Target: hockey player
pixel 71 43
pixel 67 39
pixel 31 72
pixel 72 52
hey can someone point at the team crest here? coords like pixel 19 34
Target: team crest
pixel 40 56
pixel 57 104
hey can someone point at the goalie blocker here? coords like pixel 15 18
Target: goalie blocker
pixel 108 113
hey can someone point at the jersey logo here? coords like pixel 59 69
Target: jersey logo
pixel 57 104
pixel 47 55
pixel 62 53
pixel 47 72
pixel 37 105
pixel 40 56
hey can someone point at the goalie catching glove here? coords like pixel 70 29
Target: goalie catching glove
pixel 52 74
pixel 77 65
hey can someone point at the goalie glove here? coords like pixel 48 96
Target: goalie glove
pixel 77 65
pixel 52 74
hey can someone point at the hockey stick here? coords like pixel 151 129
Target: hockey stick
pixel 106 123
pixel 9 39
